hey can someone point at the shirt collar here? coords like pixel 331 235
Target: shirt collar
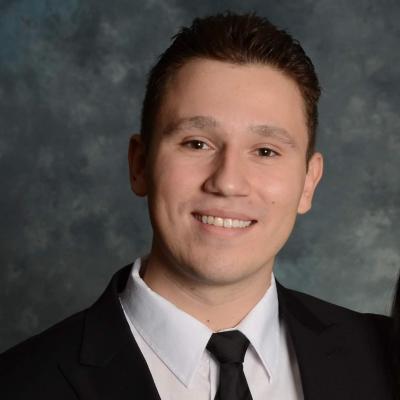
pixel 179 339
pixel 261 326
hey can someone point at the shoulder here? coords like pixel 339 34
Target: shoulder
pixel 332 311
pixel 357 344
pixel 40 365
pixel 30 364
pixel 366 332
pixel 315 311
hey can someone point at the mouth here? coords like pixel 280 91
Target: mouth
pixel 224 222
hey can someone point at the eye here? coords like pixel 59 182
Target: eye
pixel 266 152
pixel 196 145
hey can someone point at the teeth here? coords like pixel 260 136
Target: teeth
pixel 223 222
pixel 227 223
pixel 218 221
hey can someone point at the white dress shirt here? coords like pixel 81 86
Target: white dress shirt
pixel 173 344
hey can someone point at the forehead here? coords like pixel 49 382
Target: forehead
pixel 233 95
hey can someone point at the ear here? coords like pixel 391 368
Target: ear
pixel 137 165
pixel 313 176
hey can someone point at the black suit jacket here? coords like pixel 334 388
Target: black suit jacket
pixel 93 356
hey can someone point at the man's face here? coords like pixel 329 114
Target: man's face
pixel 229 149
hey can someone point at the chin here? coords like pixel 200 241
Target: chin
pixel 220 272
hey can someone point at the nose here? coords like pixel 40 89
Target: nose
pixel 228 175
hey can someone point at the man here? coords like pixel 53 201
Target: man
pixel 226 158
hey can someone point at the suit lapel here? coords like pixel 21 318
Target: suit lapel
pixel 338 354
pixel 111 365
pixel 321 348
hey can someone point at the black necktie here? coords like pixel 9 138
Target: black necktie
pixel 229 349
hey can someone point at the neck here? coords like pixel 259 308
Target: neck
pixel 216 306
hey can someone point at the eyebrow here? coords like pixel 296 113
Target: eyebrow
pixel 196 122
pixel 275 132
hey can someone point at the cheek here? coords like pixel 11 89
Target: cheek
pixel 172 185
pixel 282 188
pixel 173 180
pixel 176 172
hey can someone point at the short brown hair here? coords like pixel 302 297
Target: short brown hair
pixel 238 39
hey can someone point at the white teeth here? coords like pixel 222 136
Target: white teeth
pixel 223 222
pixel 218 221
pixel 227 223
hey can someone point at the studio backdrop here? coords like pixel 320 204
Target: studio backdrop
pixel 72 77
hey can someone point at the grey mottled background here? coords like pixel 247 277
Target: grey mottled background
pixel 71 83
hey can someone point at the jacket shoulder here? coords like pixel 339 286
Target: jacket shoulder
pixel 44 349
pixel 27 369
pixel 333 313
pixel 359 328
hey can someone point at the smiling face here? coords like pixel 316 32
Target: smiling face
pixel 226 173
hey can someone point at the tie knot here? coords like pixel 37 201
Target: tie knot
pixel 228 347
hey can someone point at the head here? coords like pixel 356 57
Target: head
pixel 226 153
pixel 236 39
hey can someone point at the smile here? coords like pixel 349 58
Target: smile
pixel 228 223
